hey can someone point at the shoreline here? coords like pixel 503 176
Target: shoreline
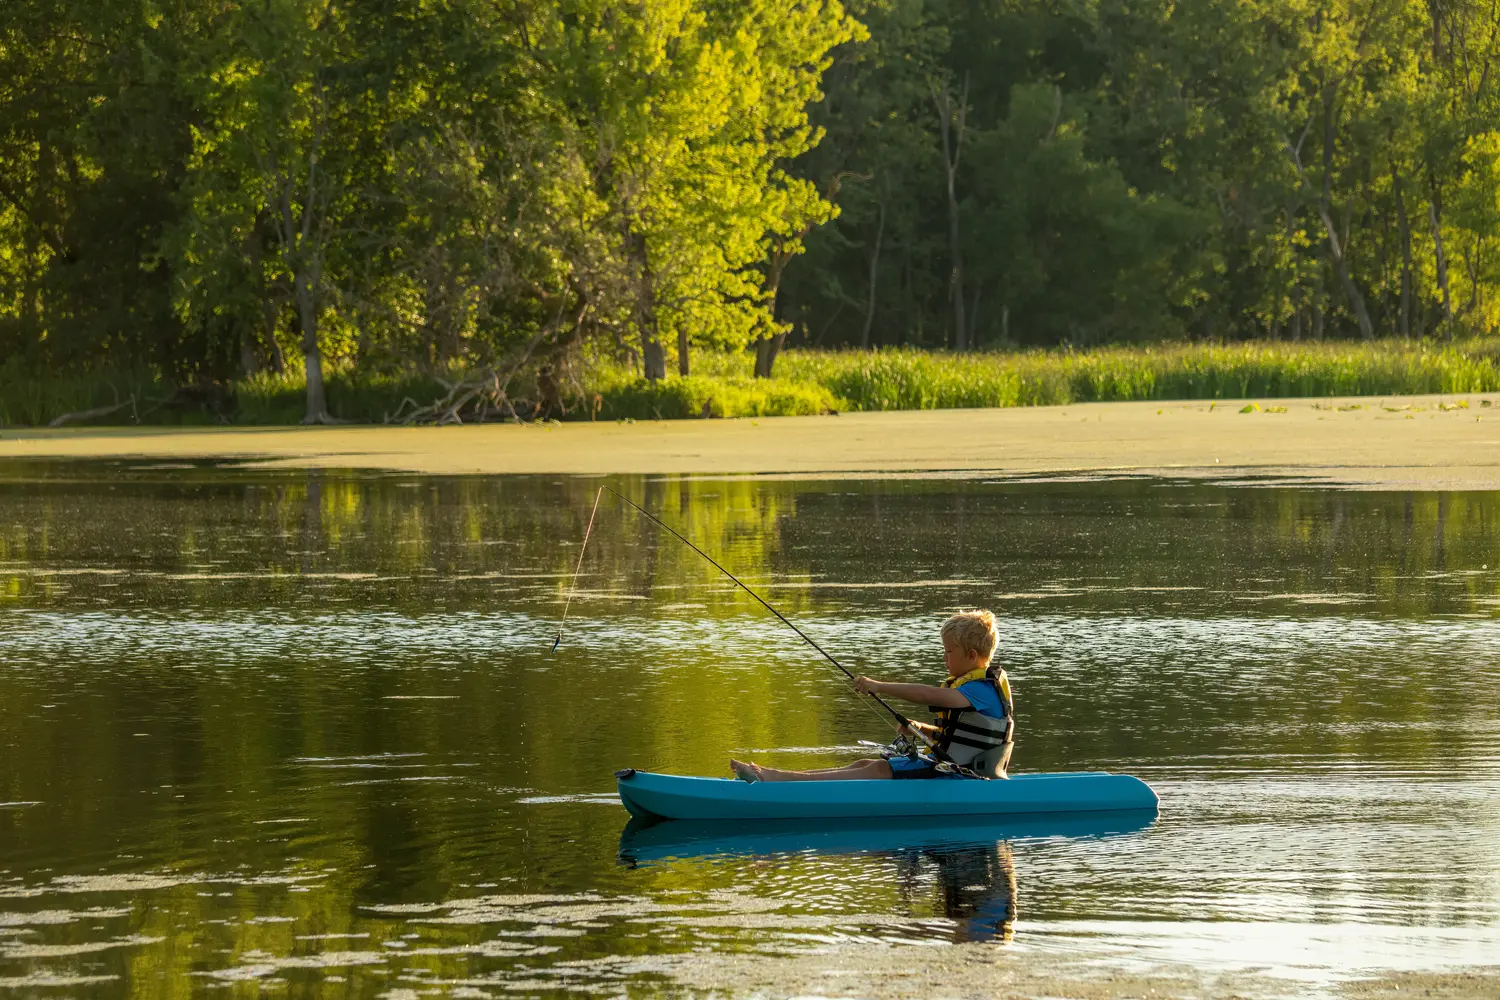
pixel 1389 442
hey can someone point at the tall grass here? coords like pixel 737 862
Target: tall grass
pixel 33 397
pixel 266 399
pixel 616 393
pixel 809 382
pixel 611 392
pixel 29 396
pixel 919 380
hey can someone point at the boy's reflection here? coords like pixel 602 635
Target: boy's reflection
pixel 976 886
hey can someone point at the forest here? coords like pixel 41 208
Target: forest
pixel 494 190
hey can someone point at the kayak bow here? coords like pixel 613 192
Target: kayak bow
pixel 669 796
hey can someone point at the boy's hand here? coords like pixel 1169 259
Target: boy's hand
pixel 921 732
pixel 868 685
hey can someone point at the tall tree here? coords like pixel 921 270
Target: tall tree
pixel 275 146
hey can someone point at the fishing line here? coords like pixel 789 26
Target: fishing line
pixel 901 720
pixel 581 550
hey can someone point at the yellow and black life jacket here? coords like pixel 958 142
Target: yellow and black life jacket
pixel 968 736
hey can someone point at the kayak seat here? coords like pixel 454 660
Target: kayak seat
pixel 993 763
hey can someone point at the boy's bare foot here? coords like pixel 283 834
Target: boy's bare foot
pixel 744 771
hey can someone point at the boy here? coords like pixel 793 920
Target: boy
pixel 977 724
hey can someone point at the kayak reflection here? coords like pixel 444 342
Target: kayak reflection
pixel 966 861
pixel 643 842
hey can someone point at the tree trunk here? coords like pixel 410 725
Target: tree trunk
pixel 1405 255
pixel 682 352
pixel 1325 212
pixel 278 356
pixel 1351 290
pixel 904 322
pixel 1474 264
pixel 952 150
pixel 1434 214
pixel 974 318
pixel 1341 270
pixel 864 336
pixel 307 317
pixel 1273 326
pixel 260 235
pixel 653 357
pixel 249 356
pixel 766 349
pixel 300 240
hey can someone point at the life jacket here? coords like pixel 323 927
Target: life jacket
pixel 967 736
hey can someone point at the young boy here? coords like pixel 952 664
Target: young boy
pixel 977 723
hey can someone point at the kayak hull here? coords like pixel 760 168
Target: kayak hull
pixel 667 796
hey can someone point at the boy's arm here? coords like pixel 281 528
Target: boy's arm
pixel 920 694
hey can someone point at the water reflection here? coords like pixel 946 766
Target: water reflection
pixel 214 538
pixel 966 865
pixel 644 841
pixel 977 890
pixel 304 730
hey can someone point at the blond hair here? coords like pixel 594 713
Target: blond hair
pixel 973 632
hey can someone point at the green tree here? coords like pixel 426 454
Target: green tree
pixel 93 133
pixel 274 154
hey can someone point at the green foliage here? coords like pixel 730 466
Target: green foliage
pixel 214 188
pixel 218 190
pixel 91 128
pixel 706 396
pixel 1154 170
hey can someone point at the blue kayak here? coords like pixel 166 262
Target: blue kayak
pixel 668 796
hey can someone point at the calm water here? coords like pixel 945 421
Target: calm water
pixel 303 732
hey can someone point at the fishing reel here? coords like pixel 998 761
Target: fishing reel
pixel 901 746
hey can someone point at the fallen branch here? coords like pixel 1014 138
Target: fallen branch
pixel 484 392
pixel 96 412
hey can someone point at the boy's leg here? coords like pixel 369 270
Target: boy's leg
pixel 860 770
pixel 848 766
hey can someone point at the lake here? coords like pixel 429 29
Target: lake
pixel 304 732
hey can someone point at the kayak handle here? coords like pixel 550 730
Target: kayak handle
pixel 625 773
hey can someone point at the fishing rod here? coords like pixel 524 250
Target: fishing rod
pixel 577 569
pixel 901 720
